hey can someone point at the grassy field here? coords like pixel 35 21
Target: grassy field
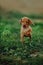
pixel 11 50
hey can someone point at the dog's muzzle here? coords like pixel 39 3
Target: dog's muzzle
pixel 24 26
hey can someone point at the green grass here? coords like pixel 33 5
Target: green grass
pixel 11 49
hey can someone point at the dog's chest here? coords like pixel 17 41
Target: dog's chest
pixel 24 30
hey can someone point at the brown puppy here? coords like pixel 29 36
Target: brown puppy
pixel 25 28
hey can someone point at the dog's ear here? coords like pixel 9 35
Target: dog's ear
pixel 29 22
pixel 20 21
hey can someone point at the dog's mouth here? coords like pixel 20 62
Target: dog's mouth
pixel 24 26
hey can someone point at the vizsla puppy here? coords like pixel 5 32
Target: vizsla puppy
pixel 26 29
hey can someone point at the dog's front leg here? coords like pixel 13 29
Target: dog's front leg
pixel 22 38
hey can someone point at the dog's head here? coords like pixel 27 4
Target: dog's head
pixel 25 22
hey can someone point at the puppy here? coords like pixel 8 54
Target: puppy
pixel 26 29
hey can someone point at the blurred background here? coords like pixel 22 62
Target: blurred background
pixel 24 6
pixel 12 52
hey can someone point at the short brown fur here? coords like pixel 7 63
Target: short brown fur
pixel 26 29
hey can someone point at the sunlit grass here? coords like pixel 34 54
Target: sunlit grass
pixel 11 48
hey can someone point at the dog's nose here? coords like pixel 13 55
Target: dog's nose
pixel 24 26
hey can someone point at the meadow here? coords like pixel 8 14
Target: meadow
pixel 11 50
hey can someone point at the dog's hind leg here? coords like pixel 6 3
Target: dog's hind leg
pixel 30 36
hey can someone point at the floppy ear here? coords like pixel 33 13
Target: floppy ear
pixel 29 22
pixel 20 21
